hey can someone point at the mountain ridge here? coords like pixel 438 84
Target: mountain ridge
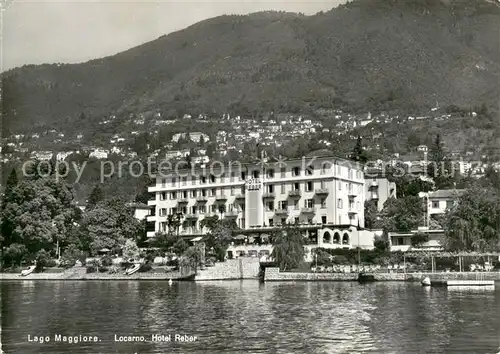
pixel 383 55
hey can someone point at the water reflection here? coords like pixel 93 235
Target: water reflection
pixel 247 316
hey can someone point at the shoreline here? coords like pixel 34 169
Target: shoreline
pixel 271 274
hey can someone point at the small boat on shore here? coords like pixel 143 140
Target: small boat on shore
pixel 133 269
pixel 28 271
pixel 426 281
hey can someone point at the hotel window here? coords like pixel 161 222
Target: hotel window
pixel 296 205
pixel 349 187
pixel 213 208
pixel 193 193
pixel 324 168
pixel 323 184
pixel 296 220
pixel 173 195
pixel 270 206
pixel 184 181
pixel 212 179
pixel 230 207
pixel 309 170
pixel 222 178
pixel 202 209
pixel 296 171
pixel 184 194
pixel 163 211
pixel 232 190
pixel 243 176
pixel 283 172
pixel 309 186
pixel 193 180
pixel 323 203
pixel 222 209
pixel 309 203
pixel 163 195
pixel 349 173
pixel 163 182
pixel 310 220
pixel 283 205
pixel 323 219
pixel 203 192
pixel 255 174
pixel 340 185
pixel 270 188
pixel 243 190
pixel 213 192
pixel 270 173
pixel 163 226
pixel 183 210
pixel 283 191
pixel 271 222
pixel 449 204
pixel 172 211
pixel 242 223
pixel 194 209
pixel 435 204
pixel 296 186
pixel 233 174
pixel 339 203
pixel 203 179
pixel 283 221
pixel 173 181
pixel 242 207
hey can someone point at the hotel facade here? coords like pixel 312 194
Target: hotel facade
pixel 324 196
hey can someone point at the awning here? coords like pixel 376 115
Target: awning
pixel 196 239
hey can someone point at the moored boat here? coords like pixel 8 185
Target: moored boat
pixel 28 271
pixel 133 269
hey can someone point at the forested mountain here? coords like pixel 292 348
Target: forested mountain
pixel 367 54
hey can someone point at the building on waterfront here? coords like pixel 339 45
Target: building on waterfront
pixel 401 241
pixel 324 196
pixel 379 189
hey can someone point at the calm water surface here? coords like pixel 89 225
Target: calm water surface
pixel 248 317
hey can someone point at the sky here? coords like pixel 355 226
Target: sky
pixel 70 31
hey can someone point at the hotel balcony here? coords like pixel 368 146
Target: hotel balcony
pixel 281 211
pixel 191 231
pixel 221 198
pixel 150 234
pixel 151 218
pixel 352 194
pixel 269 195
pixel 307 210
pixel 352 210
pixel 231 214
pixel 322 191
pixel 182 201
pixel 240 196
pixel 151 202
pixel 201 199
pixel 294 194
pixel 191 216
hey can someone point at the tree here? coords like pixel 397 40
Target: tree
pixel 130 250
pixel 192 258
pixel 440 168
pixel 143 196
pixel 419 238
pixel 108 225
pixel 359 154
pixel 219 235
pixel 403 214
pixel 14 254
pixel 95 197
pixel 41 213
pixel 473 224
pixel 371 214
pixel 174 223
pixel 288 248
pixel 7 225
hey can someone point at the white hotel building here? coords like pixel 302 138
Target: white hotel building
pixel 323 195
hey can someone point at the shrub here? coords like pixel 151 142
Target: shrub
pixel 145 268
pixel 173 262
pixel 42 260
pixel 126 265
pixel 106 261
pixel 114 269
pixel 91 269
pixel 103 269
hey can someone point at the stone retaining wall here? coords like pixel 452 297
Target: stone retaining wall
pixel 273 274
pixel 241 268
pixel 81 274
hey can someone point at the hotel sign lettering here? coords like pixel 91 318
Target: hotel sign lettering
pixel 253 184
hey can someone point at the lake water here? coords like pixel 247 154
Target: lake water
pixel 249 317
